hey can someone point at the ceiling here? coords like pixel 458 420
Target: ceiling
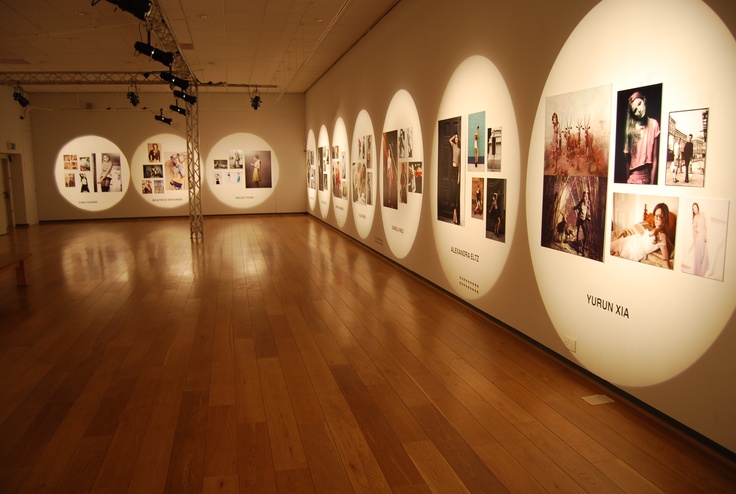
pixel 281 46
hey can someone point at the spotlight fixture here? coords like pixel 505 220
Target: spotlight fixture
pixel 176 81
pixel 133 94
pixel 160 117
pixel 139 8
pixel 255 101
pixel 133 98
pixel 18 96
pixel 164 57
pixel 178 109
pixel 186 97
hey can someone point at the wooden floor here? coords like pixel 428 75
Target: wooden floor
pixel 280 356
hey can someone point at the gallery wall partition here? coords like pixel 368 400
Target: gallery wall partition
pixel 585 200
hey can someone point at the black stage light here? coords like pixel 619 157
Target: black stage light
pixel 160 117
pixel 133 97
pixel 178 109
pixel 176 81
pixel 139 8
pixel 164 57
pixel 186 97
pixel 255 102
pixel 22 100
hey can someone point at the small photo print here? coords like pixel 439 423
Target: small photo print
pixel 638 135
pixel 687 134
pixel 573 215
pixel 703 231
pixel 644 229
pixel 175 170
pixel 154 152
pixel 496 209
pixel 415 177
pixel 403 182
pixel 147 187
pixel 494 149
pixel 478 185
pixel 153 171
pixel 220 164
pixel 84 164
pixel 390 170
pixel 476 138
pixel 70 180
pixel 577 132
pixel 235 159
pixel 406 143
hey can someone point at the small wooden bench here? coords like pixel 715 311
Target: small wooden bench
pixel 15 260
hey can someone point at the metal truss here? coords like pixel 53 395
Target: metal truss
pixel 196 218
pixel 158 27
pixel 77 78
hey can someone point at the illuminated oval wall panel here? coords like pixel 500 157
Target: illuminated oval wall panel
pixel 242 170
pixel 363 174
pixel 311 170
pixel 402 157
pixel 475 177
pixel 92 173
pixel 323 171
pixel 159 171
pixel 340 159
pixel 618 262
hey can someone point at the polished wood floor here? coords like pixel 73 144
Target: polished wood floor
pixel 279 355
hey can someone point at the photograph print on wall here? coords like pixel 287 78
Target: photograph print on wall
pixel 493 153
pixel 704 226
pixel 573 215
pixel 577 132
pixel 687 135
pixel 390 170
pixel 475 140
pixel 644 229
pixel 496 209
pixel 638 135
pixel 449 170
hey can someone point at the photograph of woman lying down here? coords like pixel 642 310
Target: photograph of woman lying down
pixel 649 240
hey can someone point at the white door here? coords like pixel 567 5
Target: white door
pixel 6 209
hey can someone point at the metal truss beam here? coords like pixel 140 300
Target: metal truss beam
pixel 196 217
pixel 78 78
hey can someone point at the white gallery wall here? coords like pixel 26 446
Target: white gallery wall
pixel 71 128
pixel 663 335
